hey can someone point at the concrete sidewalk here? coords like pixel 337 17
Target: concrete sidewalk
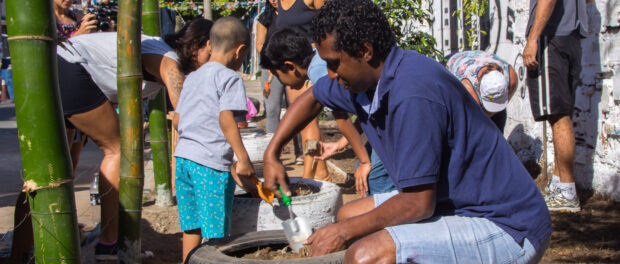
pixel 12 181
pixel 11 169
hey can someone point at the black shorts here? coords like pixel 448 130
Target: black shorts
pixel 552 85
pixel 78 91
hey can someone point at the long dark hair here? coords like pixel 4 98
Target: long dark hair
pixel 268 15
pixel 188 40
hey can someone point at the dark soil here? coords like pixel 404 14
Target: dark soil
pixel 301 189
pixel 277 253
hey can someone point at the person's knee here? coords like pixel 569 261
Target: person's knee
pixel 554 119
pixel 112 148
pixel 361 253
pixel 356 208
pixel 345 212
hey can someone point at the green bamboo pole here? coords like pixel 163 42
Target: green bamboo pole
pixel 132 143
pixel 157 117
pixel 43 144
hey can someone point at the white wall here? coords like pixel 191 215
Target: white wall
pixel 597 109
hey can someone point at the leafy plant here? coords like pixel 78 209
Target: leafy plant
pixel 472 10
pixel 407 17
pixel 189 9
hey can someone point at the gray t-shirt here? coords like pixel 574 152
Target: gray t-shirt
pixel 206 92
pixel 567 16
pixel 96 52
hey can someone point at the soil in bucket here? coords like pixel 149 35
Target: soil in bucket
pixel 273 252
pixel 302 189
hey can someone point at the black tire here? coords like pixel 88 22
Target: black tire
pixel 216 250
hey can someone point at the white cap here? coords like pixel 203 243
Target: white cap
pixel 494 91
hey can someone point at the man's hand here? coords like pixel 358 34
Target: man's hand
pixel 88 25
pixel 275 176
pixel 529 54
pixel 361 178
pixel 327 240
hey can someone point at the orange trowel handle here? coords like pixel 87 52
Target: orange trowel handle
pixel 264 193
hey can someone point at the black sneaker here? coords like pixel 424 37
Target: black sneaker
pixel 106 253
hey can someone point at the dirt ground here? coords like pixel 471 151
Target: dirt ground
pixel 590 236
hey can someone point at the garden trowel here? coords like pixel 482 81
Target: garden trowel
pixel 296 229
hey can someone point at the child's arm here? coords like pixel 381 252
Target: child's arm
pixel 352 135
pixel 243 168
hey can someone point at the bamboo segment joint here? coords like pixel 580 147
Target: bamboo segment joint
pixel 125 76
pixel 39 257
pixel 31 186
pixel 150 12
pixel 158 141
pixel 132 210
pixel 131 177
pixel 52 213
pixel 33 37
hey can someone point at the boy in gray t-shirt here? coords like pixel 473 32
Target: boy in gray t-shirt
pixel 208 135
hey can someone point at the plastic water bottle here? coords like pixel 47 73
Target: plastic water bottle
pixel 94 190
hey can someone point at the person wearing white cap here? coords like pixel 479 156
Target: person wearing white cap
pixel 490 80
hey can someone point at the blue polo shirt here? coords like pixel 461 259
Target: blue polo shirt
pixel 428 129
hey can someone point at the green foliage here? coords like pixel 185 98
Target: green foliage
pixel 472 11
pixel 192 9
pixel 404 16
pixel 187 8
pixel 225 8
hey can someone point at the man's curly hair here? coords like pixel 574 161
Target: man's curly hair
pixel 354 22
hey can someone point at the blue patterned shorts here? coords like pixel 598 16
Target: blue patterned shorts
pixel 204 197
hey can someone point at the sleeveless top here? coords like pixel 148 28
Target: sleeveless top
pixel 65 31
pixel 268 19
pixel 298 17
pixel 96 52
pixel 467 64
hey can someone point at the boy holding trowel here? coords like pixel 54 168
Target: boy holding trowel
pixel 208 136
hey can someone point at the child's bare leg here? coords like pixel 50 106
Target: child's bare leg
pixel 313 169
pixel 191 239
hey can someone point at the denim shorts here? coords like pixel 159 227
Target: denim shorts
pixel 456 239
pixel 204 198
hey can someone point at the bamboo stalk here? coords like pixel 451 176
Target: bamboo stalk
pixel 158 131
pixel 46 164
pixel 131 174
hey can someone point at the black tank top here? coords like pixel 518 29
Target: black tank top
pixel 298 17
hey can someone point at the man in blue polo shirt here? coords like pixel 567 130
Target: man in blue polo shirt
pixel 463 196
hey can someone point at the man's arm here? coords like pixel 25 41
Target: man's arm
pixel 544 9
pixel 412 205
pixel 298 115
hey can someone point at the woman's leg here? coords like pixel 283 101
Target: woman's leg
pixel 313 169
pixel 75 148
pixel 273 102
pixel 102 126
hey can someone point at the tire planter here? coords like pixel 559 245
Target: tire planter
pixel 219 250
pixel 320 209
